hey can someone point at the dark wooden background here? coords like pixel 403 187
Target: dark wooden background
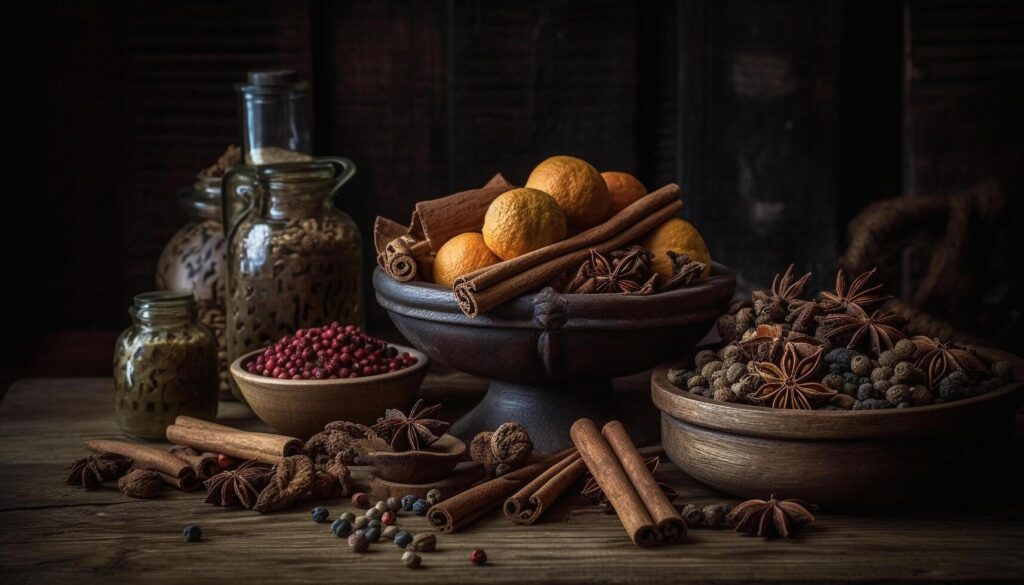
pixel 781 119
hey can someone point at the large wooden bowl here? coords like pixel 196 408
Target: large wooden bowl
pixel 841 458
pixel 301 408
pixel 550 356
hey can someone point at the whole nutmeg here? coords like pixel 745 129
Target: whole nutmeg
pixel 511 444
pixel 140 483
pixel 921 396
pixel 734 372
pixel 693 516
pixel 703 358
pixel 724 395
pixel 423 542
pixel 480 447
pixel 898 393
pixel 861 365
pixel 904 349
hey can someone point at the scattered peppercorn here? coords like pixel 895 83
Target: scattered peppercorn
pixel 348 517
pixel 387 518
pixel 433 496
pixel 374 524
pixel 360 522
pixel 693 516
pixel 372 534
pixel 382 506
pixel 389 532
pixel 373 514
pixel 360 500
pixel 411 559
pixel 394 504
pixel 407 502
pixel 320 514
pixel 714 515
pixel 421 507
pixel 192 533
pixel 341 528
pixel 478 557
pixel 402 539
pixel 423 542
pixel 358 543
pixel 904 349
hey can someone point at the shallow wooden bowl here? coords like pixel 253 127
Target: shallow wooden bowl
pixel 431 464
pixel 841 458
pixel 301 408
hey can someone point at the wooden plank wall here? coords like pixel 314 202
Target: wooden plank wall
pixel 780 118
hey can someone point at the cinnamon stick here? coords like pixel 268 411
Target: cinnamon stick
pixel 204 464
pixel 438 220
pixel 484 289
pixel 173 469
pixel 406 258
pixel 528 504
pixel 670 524
pixel 459 511
pixel 242 445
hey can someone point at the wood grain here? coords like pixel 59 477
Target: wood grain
pixel 50 531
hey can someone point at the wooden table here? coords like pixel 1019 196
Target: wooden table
pixel 52 532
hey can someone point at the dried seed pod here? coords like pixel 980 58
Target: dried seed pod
pixel 140 483
pixel 511 444
pixel 480 446
pixel 292 480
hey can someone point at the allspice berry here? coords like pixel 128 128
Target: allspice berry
pixel 898 393
pixel 710 368
pixel 714 515
pixel 881 373
pixel 724 395
pixel 903 373
pixel 861 365
pixel 411 559
pixel 730 354
pixel 678 376
pixel 734 372
pixel 703 358
pixel 693 516
pixel 423 542
pixel 921 396
pixel 695 381
pixel 904 349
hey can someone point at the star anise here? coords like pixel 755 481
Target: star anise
pixel 411 432
pixel 859 297
pixel 787 288
pixel 772 517
pixel 89 472
pixel 592 491
pixel 240 486
pixel 767 343
pixel 880 330
pixel 791 383
pixel 684 271
pixel 939 359
pixel 599 275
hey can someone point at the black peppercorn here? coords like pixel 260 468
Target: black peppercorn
pixel 320 514
pixel 341 528
pixel 192 533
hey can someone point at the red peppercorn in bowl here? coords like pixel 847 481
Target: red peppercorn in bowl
pixel 325 374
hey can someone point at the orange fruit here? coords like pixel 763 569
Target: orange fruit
pixel 461 255
pixel 576 186
pixel 522 220
pixel 679 236
pixel 624 189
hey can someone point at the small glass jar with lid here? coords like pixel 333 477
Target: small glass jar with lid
pixel 165 364
pixel 275 118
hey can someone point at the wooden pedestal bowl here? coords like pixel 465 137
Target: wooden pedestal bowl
pixel 301 408
pixel 846 459
pixel 551 357
pixel 416 467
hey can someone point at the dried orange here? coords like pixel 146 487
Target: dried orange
pixel 679 236
pixel 624 189
pixel 461 255
pixel 576 186
pixel 522 220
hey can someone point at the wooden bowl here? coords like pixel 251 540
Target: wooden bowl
pixel 841 458
pixel 428 465
pixel 551 356
pixel 301 408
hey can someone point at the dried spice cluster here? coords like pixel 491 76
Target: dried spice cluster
pixel 630 271
pixel 839 351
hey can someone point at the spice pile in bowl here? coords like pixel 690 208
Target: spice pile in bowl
pixel 330 352
pixel 838 351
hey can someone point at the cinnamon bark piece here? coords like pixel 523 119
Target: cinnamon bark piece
pixel 535 498
pixel 459 511
pixel 173 469
pixel 486 288
pixel 438 220
pixel 204 464
pixel 243 445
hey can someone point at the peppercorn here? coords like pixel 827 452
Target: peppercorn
pixel 433 496
pixel 423 542
pixel 389 532
pixel 374 524
pixel 693 516
pixel 381 505
pixel 478 557
pixel 921 396
pixel 954 385
pixel 387 518
pixel 839 355
pixel 710 368
pixel 348 517
pixel 703 358
pixel 882 385
pixel 402 539
pixel 867 387
pixel 372 534
pixel 500 470
pixel 320 514
pixel 718 381
pixel 861 365
pixel 835 369
pixel 407 502
pixel 411 559
pixel 341 527
pixel 678 376
pixel 833 381
pixel 887 358
pixel 897 393
pixel 358 543
pixel 360 522
pixel 881 373
pixel 192 533
pixel 421 507
pixel 903 373
pixel 904 349
pixel 360 500
pixel 734 372
pixel 904 405
pixel 863 393
pixel 849 388
pixel 373 514
pixel 696 380
pixel 843 401
pixel 714 515
pixel 730 354
pixel 1003 370
pixel 394 504
pixel 724 395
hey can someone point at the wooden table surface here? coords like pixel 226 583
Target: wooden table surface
pixel 50 531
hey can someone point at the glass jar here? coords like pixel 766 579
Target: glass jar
pixel 165 364
pixel 275 118
pixel 195 259
pixel 294 259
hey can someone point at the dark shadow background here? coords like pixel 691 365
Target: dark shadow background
pixel 781 119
